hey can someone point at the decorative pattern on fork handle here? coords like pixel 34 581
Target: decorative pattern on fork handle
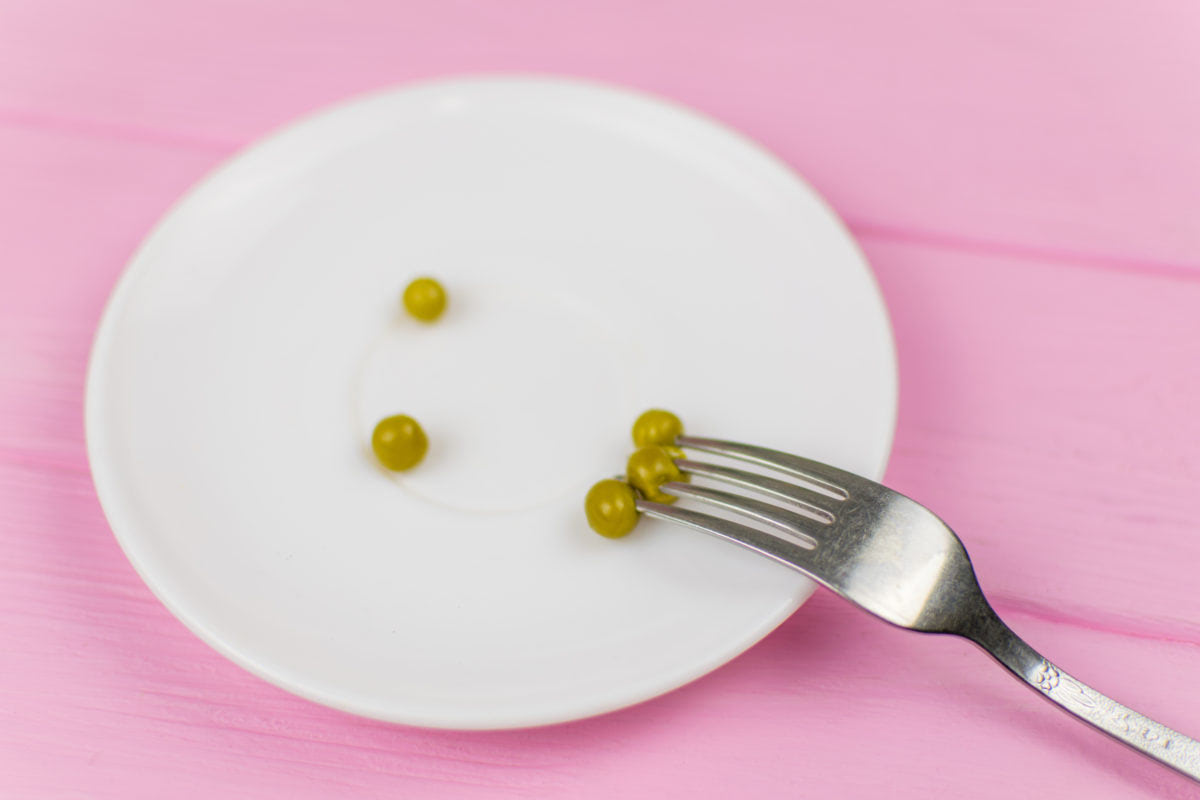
pixel 1046 677
pixel 1122 723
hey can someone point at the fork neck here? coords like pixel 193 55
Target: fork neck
pixel 985 628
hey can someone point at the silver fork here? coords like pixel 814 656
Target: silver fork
pixel 894 558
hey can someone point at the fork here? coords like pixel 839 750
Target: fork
pixel 893 557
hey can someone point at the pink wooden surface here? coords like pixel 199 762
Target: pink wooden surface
pixel 1025 183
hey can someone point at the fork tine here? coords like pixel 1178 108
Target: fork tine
pixel 792 524
pixel 813 502
pixel 829 480
pixel 785 552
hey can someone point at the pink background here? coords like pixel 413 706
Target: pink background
pixel 1026 184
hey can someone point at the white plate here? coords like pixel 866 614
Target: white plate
pixel 604 253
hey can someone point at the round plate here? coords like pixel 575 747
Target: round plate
pixel 604 253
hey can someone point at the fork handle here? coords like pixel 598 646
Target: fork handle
pixel 1123 724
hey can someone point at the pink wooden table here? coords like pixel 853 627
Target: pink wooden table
pixel 1026 184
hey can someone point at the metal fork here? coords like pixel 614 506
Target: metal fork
pixel 894 558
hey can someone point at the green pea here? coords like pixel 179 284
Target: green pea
pixel 656 427
pixel 399 443
pixel 649 468
pixel 611 508
pixel 425 299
